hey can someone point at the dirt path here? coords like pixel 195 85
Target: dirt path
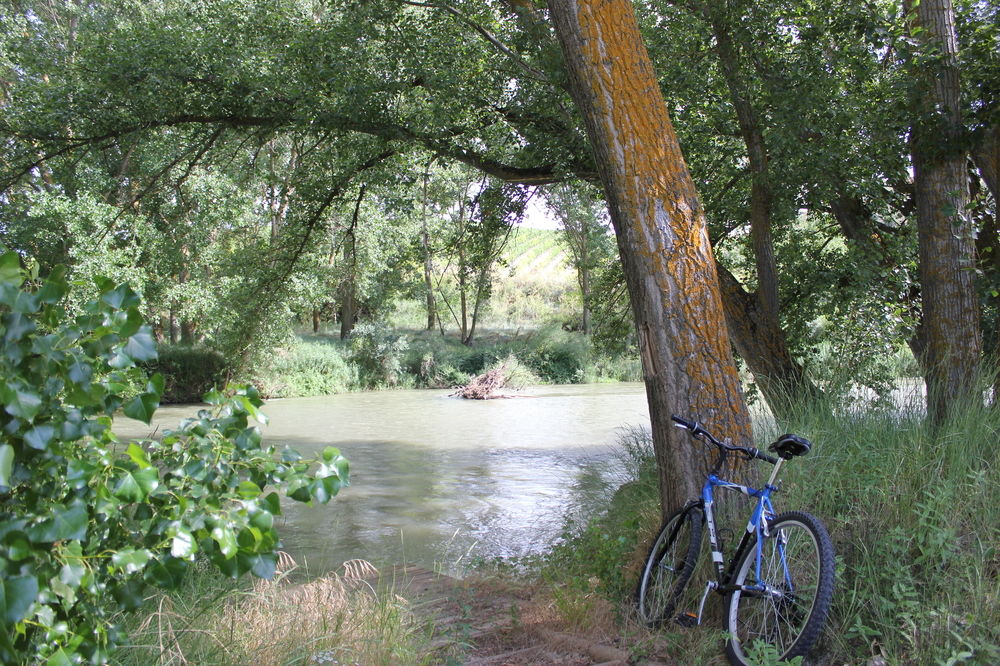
pixel 496 625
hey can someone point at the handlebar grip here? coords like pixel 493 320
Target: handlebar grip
pixel 690 425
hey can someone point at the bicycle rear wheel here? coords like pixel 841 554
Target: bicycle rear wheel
pixel 669 566
pixel 785 608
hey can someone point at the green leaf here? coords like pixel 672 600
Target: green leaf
pixel 156 384
pixel 19 593
pixel 120 297
pixel 323 490
pixel 251 407
pixel 23 403
pixel 10 268
pixel 6 465
pixel 214 397
pixel 142 345
pixel 129 595
pixel 133 322
pixel 73 571
pixel 299 490
pixel 130 560
pixel 249 439
pixel 167 573
pixel 39 437
pixel 55 287
pixel 183 544
pixel 273 504
pixel 262 520
pixel 17 326
pixel 18 547
pixel 66 523
pixel 226 539
pixel 142 407
pixel 59 658
pixel 248 490
pixel 134 486
pixel 138 455
pixel 263 565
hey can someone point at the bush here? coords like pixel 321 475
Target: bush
pixel 88 522
pixel 378 352
pixel 188 372
pixel 308 367
pixel 558 356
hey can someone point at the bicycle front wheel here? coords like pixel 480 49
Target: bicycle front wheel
pixel 669 566
pixel 781 612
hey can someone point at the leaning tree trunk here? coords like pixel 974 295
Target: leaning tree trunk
pixel 662 235
pixel 944 229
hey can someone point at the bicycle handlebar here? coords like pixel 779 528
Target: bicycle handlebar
pixel 698 431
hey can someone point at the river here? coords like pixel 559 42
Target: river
pixel 440 481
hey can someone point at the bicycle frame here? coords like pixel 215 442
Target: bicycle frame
pixel 757 527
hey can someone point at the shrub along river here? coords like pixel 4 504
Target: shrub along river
pixel 441 481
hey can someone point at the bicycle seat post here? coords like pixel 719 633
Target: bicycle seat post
pixel 774 474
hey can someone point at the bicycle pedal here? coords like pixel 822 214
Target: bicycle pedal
pixel 687 619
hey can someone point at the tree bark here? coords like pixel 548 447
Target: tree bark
pixel 662 236
pixel 348 288
pixel 760 342
pixel 425 239
pixel 944 228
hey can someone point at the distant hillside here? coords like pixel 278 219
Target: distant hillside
pixel 537 255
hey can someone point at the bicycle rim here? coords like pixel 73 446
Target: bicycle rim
pixel 796 574
pixel 669 566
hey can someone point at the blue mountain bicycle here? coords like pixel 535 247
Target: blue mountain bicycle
pixel 778 585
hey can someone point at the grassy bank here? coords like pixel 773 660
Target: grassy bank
pixel 380 357
pixel 913 514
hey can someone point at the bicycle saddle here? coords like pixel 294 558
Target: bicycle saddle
pixel 789 446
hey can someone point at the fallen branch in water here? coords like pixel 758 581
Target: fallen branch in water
pixel 485 386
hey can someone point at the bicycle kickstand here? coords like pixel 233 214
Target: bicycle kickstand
pixel 689 619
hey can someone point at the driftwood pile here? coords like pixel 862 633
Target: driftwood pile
pixel 486 386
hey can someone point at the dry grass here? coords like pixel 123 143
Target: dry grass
pixel 336 619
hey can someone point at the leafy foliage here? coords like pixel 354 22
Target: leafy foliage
pixel 88 522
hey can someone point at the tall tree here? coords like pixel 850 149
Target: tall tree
pixel 662 234
pixel 952 338
pixel 583 222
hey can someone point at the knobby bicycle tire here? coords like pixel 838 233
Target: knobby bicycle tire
pixel 790 616
pixel 669 566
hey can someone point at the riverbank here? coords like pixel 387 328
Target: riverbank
pixel 377 357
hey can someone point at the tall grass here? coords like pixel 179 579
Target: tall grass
pixel 336 619
pixel 913 512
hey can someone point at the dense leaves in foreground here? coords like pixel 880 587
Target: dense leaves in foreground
pixel 87 522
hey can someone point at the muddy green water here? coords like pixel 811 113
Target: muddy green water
pixel 440 481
